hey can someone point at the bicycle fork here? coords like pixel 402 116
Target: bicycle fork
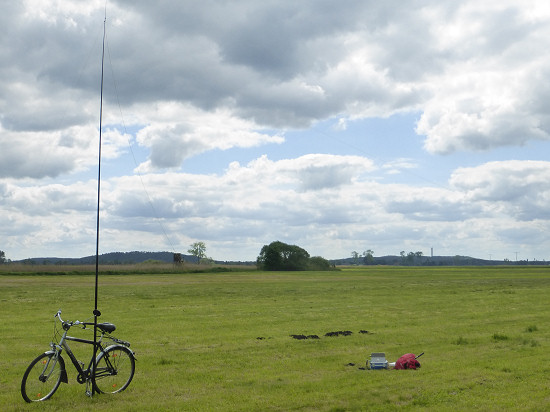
pixel 55 358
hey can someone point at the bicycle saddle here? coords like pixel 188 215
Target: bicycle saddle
pixel 106 327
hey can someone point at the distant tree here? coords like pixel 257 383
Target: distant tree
pixel 409 258
pixel 355 257
pixel 318 263
pixel 198 249
pixel 280 256
pixel 368 257
pixel 2 257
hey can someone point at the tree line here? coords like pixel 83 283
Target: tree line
pixel 275 256
pixel 367 257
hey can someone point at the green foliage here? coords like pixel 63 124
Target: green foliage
pixel 220 341
pixel 410 258
pixel 198 249
pixel 2 257
pixel 318 263
pixel 368 257
pixel 280 256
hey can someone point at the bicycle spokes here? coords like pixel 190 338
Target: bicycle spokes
pixel 115 369
pixel 42 377
pixel 112 371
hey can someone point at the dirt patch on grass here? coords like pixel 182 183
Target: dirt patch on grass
pixel 328 334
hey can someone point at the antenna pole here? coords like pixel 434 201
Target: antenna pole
pixel 97 313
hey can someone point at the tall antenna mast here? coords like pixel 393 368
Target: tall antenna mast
pixel 96 312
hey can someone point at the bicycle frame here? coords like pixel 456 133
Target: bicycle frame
pixel 49 368
pixel 83 374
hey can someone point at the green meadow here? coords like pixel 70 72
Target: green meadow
pixel 222 341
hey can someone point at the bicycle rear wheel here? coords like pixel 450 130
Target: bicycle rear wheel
pixel 114 369
pixel 42 377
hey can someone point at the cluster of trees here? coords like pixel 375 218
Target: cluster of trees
pixel 409 258
pixel 367 257
pixel 280 256
pixel 2 257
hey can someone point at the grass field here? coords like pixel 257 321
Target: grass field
pixel 221 341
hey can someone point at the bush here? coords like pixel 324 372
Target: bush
pixel 318 263
pixel 280 256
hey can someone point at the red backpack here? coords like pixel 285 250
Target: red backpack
pixel 407 361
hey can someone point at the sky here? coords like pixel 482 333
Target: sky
pixel 335 126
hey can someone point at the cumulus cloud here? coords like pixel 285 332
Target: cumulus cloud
pixel 179 131
pixel 484 95
pixel 253 204
pixel 195 78
pixel 519 188
pixel 39 154
pixel 471 69
pixel 43 154
pixel 432 205
pixel 309 172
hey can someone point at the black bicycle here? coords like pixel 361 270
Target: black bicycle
pixel 114 364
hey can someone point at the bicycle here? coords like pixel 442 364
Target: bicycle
pixel 114 364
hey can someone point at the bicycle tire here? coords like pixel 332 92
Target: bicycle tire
pixel 42 377
pixel 115 369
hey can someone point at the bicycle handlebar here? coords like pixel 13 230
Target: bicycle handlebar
pixel 68 323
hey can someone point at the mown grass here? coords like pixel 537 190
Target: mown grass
pixel 222 341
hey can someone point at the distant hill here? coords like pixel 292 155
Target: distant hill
pixel 433 261
pixel 124 258
pixel 113 258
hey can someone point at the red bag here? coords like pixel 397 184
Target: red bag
pixel 407 361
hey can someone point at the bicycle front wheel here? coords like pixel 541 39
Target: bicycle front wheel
pixel 42 377
pixel 114 369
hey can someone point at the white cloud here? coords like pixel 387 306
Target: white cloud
pixel 484 96
pixel 180 131
pixel 520 189
pixel 473 69
pixel 397 165
pixel 193 79
pixel 254 204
